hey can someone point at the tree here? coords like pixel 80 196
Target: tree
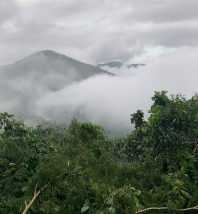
pixel 138 119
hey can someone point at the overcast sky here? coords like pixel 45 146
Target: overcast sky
pixel 97 30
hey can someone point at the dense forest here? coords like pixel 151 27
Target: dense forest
pixel 78 169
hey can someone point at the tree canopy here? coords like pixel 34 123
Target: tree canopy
pixel 78 169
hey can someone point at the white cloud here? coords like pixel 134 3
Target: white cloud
pixel 100 30
pixel 111 100
pixel 161 33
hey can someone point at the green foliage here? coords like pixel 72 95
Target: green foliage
pixel 138 119
pixel 79 170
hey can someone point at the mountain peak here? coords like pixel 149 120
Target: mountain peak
pixel 52 70
pixel 46 53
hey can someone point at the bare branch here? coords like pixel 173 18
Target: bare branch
pixel 151 208
pixel 27 206
pixel 190 208
pixel 36 194
pixel 166 208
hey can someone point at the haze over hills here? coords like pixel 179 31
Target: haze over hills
pixel 117 65
pixel 104 99
pixel 112 64
pixel 50 69
pixel 31 78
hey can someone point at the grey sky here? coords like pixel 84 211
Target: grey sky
pixel 96 30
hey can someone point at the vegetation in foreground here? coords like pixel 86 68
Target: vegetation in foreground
pixel 79 170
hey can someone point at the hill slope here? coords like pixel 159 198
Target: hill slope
pixel 29 79
pixel 50 69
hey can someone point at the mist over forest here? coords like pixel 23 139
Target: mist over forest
pixel 98 107
pixel 52 87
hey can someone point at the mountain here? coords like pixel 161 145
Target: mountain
pixel 26 81
pixel 135 65
pixel 116 65
pixel 50 69
pixel 113 64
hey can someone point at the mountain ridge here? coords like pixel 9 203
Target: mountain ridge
pixel 25 81
pixel 117 64
pixel 51 67
pixel 52 55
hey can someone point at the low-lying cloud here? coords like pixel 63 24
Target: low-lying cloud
pixel 103 99
pixel 110 100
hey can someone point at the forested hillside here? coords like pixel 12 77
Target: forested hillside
pixel 77 169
